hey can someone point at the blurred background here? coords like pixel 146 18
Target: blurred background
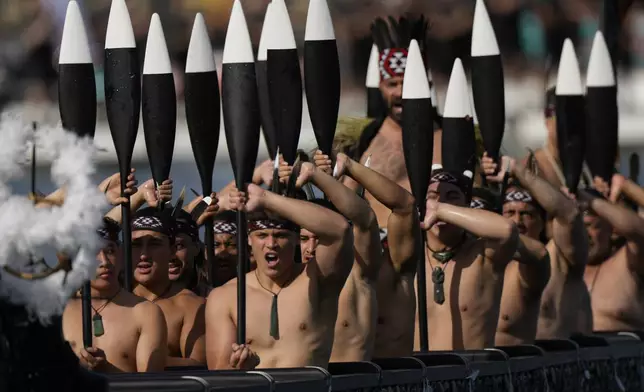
pixel 529 32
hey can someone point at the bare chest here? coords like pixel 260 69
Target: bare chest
pixel 298 333
pixel 174 316
pixel 470 286
pixel 119 340
pixel 616 296
pixel 518 304
pixel 387 157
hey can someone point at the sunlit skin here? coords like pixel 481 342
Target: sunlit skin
pixel 449 235
pixel 473 278
pixel 135 336
pixel 151 255
pixel 225 258
pixel 183 310
pixel 274 252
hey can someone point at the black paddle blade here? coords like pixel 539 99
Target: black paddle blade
pixel 634 167
pixel 322 81
pixel 285 92
pixel 268 126
pixel 241 118
pixel 489 101
pixel 77 98
pixel 202 116
pixel 123 102
pixel 459 144
pixel 159 123
pixel 602 128
pixel 571 137
pixel 418 146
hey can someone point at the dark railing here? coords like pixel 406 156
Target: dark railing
pixel 603 362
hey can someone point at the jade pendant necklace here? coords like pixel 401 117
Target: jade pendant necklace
pixel 438 273
pixel 274 330
pixel 97 319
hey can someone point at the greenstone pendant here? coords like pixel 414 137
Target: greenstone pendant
pixel 444 256
pixel 97 325
pixel 275 326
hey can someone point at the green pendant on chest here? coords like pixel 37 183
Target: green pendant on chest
pixel 97 325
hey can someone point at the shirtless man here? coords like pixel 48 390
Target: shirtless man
pixel 153 246
pixel 527 274
pixel 182 266
pixel 131 335
pixel 565 304
pixel 395 285
pixel 291 308
pixel 355 328
pixel 463 304
pixel 382 139
pixel 614 280
pixel 225 231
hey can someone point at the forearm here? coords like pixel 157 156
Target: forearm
pixel 387 192
pixel 551 199
pixel 624 221
pixel 633 192
pixel 349 204
pixel 481 223
pixel 324 223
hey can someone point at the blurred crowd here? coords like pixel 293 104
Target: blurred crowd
pixel 529 32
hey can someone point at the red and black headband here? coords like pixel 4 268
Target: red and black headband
pixel 393 37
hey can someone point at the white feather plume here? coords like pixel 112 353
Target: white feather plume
pixel 28 232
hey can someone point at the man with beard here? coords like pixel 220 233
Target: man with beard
pixel 614 280
pixel 395 281
pixel 382 138
pixel 129 332
pixel 291 308
pixel 467 252
pixel 565 304
pixel 355 327
pixel 153 246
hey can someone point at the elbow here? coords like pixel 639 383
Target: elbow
pixel 407 206
pixel 569 213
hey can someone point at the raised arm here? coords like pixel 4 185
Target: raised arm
pixel 621 185
pixel 501 234
pixel 534 263
pixel 568 231
pixel 220 328
pixel 334 255
pixel 365 226
pixel 626 223
pixel 152 348
pixel 402 225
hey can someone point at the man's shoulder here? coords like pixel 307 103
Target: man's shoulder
pixel 144 310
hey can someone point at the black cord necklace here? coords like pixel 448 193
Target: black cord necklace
pixel 97 320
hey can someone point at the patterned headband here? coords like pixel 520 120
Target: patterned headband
pixel 109 232
pixel 443 176
pixel 392 63
pixel 224 227
pixel 266 224
pixel 480 204
pixel 152 223
pixel 188 227
pixel 519 195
